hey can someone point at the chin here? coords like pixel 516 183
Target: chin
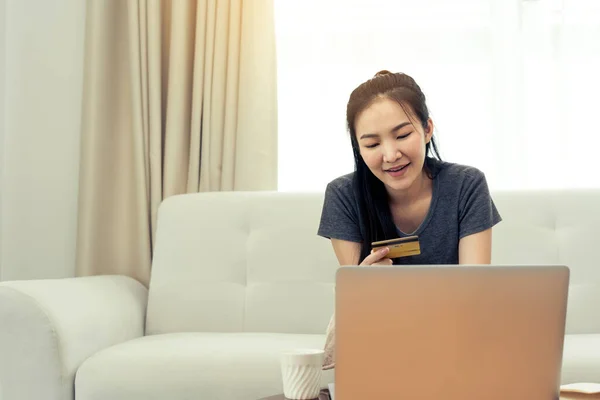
pixel 399 185
pixel 396 184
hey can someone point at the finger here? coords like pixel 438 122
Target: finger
pixel 376 256
pixel 384 262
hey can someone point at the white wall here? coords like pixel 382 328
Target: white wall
pixel 2 114
pixel 517 80
pixel 44 71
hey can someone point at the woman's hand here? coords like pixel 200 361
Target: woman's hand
pixel 378 258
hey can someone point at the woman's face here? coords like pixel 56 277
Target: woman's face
pixel 391 145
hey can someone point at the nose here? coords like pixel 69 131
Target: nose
pixel 391 153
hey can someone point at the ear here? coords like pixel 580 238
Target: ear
pixel 429 131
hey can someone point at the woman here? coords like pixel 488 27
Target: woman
pixel 400 187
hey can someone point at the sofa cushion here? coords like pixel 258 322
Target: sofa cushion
pixel 191 366
pixel 236 366
pixel 581 358
pixel 241 262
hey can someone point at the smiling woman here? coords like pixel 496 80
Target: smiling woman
pixel 383 124
pixel 401 188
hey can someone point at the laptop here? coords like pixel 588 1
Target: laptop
pixel 450 332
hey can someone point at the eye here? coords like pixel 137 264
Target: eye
pixel 404 136
pixel 371 146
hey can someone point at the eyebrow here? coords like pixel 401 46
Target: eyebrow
pixel 374 135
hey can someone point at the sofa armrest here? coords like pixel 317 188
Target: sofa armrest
pixel 49 327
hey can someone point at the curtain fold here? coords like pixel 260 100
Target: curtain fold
pixel 179 97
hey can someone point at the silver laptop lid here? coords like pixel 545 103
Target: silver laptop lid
pixel 450 332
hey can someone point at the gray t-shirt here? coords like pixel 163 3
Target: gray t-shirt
pixel 460 206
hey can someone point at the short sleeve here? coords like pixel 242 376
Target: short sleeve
pixel 477 211
pixel 339 216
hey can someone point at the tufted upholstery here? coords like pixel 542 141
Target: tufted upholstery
pixel 556 228
pixel 238 277
pixel 241 262
pixel 252 261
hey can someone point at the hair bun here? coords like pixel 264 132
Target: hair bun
pixel 383 72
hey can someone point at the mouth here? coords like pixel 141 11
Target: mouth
pixel 398 168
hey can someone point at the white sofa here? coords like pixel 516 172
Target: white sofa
pixel 238 277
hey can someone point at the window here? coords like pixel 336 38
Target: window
pixel 510 83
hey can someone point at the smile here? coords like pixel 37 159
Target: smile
pixel 397 172
pixel 397 169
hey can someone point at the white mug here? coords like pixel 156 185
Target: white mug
pixel 301 373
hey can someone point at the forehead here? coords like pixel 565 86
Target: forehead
pixel 379 117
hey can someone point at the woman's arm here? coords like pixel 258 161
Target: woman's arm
pixel 476 248
pixel 346 252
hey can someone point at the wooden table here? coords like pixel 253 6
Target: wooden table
pixel 323 396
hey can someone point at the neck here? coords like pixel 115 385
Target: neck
pixel 421 186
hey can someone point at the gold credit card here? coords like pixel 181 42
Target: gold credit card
pixel 400 247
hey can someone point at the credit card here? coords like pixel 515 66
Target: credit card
pixel 400 247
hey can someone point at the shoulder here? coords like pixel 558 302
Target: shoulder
pixel 459 172
pixel 344 181
pixel 466 190
pixel 340 194
pixel 464 178
pixel 340 217
pixel 342 185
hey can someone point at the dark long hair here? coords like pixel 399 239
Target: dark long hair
pixel 372 196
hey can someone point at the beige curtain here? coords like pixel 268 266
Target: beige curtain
pixel 179 97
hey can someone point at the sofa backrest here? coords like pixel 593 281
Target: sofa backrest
pixel 555 227
pixel 252 261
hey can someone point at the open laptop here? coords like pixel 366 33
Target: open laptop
pixel 450 332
